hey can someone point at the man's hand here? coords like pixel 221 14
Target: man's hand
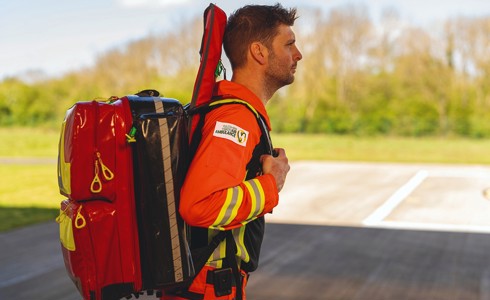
pixel 278 166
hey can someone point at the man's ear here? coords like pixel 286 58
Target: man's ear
pixel 259 52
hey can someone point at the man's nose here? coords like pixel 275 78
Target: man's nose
pixel 298 55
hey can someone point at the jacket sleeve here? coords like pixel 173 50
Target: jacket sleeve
pixel 215 194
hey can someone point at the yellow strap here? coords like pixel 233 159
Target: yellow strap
pixel 80 220
pixel 66 230
pixel 231 101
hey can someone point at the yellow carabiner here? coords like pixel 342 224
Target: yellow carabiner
pixel 80 220
pixel 108 175
pixel 96 185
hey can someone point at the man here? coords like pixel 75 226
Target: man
pixel 232 181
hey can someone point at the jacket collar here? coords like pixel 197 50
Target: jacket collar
pixel 229 90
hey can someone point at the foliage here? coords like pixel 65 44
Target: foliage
pixel 356 77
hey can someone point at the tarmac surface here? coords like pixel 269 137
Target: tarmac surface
pixel 341 231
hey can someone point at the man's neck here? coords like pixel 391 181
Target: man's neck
pixel 255 85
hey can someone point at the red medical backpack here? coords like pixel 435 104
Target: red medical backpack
pixel 121 165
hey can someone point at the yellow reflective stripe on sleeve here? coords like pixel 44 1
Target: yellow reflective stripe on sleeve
pixel 253 198
pixel 236 205
pixel 234 198
pixel 257 196
pixel 262 195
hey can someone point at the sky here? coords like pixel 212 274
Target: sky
pixel 54 37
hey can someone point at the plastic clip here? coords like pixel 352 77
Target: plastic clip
pixel 108 175
pixel 112 99
pixel 130 137
pixel 220 68
pixel 96 185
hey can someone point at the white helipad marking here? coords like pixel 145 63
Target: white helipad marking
pixel 432 227
pixel 384 210
pixel 321 193
pixel 377 218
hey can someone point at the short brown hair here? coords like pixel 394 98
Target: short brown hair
pixel 253 23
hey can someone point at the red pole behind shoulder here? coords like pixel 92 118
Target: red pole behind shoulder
pixel 211 48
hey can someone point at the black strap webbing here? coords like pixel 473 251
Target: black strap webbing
pixel 231 251
pixel 201 255
pixel 203 110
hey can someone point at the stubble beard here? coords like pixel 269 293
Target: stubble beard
pixel 277 77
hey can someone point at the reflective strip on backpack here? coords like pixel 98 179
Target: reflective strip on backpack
pixel 169 187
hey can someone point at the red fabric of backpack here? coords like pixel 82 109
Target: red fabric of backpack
pixel 98 225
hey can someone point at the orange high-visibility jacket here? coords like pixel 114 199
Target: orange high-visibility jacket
pixel 219 193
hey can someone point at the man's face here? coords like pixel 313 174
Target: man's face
pixel 283 58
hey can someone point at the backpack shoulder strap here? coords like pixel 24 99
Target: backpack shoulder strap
pixel 221 102
pixel 202 110
pixel 203 253
pixel 260 119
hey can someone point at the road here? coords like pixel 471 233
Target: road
pixel 341 231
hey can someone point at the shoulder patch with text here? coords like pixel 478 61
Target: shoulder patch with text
pixel 231 132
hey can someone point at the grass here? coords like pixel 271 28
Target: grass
pixel 29 192
pixel 14 217
pixel 28 142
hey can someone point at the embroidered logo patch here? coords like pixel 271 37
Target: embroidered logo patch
pixel 231 132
